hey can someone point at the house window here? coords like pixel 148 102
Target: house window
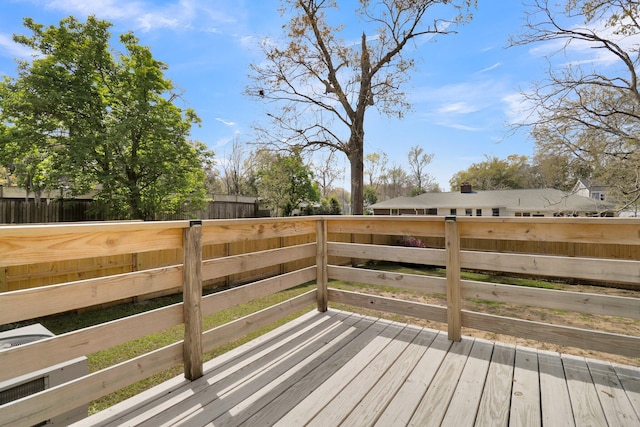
pixel 453 211
pixel 395 211
pixel 495 212
pixel 478 212
pixel 468 212
pixel 432 211
pixel 523 213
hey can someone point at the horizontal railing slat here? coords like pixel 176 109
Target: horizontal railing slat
pixel 407 226
pixel 28 303
pixel 390 305
pixel 216 231
pixel 38 244
pixel 28 358
pixel 620 231
pixel 387 253
pixel 220 267
pixel 563 335
pixel 614 271
pixel 581 302
pixel 413 282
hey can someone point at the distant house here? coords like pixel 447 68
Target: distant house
pixel 526 203
pixel 587 189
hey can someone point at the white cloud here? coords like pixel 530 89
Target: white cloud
pixel 493 67
pixel 104 9
pixel 457 108
pixel 460 126
pixel 225 122
pixel 147 15
pixel 14 50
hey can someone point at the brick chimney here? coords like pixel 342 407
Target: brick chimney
pixel 466 188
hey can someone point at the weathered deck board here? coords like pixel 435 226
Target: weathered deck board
pixel 339 368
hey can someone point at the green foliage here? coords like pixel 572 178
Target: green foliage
pixel 284 182
pixel 370 195
pixel 78 117
pixel 514 172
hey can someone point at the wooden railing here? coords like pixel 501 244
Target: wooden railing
pixel 332 255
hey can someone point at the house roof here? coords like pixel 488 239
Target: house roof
pixel 530 200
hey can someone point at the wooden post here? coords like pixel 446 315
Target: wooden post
pixel 452 245
pixel 192 291
pixel 321 264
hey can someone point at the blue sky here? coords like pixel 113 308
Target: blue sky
pixel 464 90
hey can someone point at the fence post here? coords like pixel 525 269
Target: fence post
pixel 192 291
pixel 452 245
pixel 321 265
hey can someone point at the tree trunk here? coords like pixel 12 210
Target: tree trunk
pixel 356 160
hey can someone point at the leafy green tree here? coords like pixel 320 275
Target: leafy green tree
pixel 319 85
pixel 101 122
pixel 284 182
pixel 514 172
pixel 370 195
pixel 334 206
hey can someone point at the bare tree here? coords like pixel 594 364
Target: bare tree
pixel 232 168
pixel 326 173
pixel 590 110
pixel 396 182
pixel 318 80
pixel 375 166
pixel 418 162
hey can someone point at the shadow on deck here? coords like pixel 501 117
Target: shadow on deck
pixel 340 368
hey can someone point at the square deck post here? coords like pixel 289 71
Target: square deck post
pixel 452 246
pixel 192 274
pixel 321 264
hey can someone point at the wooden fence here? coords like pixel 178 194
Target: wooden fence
pixel 318 245
pixel 20 211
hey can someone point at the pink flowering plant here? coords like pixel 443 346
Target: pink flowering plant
pixel 412 242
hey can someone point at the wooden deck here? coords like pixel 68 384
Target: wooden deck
pixel 339 368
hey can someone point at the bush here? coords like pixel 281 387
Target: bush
pixel 412 242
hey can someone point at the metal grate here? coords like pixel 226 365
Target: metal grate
pixel 22 390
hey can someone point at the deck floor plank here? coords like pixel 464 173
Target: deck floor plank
pixel 630 380
pixel 377 399
pixel 400 410
pixel 286 402
pixel 349 397
pixel 615 403
pixel 554 394
pixel 496 397
pixel 232 373
pixel 434 403
pixel 269 394
pixel 587 410
pixel 326 391
pixel 216 405
pixel 464 405
pixel 339 368
pixel 525 395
